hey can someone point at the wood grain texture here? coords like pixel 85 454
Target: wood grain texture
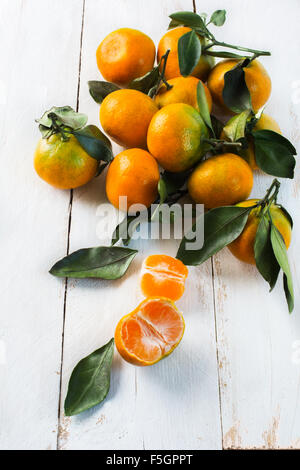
pixel 259 381
pixel 39 68
pixel 239 391
pixel 174 403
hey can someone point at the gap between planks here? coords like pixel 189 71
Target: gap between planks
pixel 68 244
pixel 215 321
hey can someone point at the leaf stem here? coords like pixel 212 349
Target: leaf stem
pixel 218 143
pixel 269 197
pixel 162 78
pixel 238 48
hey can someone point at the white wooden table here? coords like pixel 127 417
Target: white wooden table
pixel 235 379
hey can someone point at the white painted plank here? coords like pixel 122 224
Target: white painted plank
pixel 175 403
pixel 259 381
pixel 39 68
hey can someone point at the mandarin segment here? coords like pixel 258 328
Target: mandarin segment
pixel 163 276
pixel 149 333
pixel 125 54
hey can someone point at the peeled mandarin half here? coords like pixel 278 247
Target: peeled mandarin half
pixel 149 333
pixel 164 276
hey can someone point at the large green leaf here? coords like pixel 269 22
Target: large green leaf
pixel 189 52
pixel 99 90
pixel 235 93
pixel 221 226
pixel 274 154
pixel 90 380
pixel 102 262
pixel 280 253
pixel 95 143
pixel 265 259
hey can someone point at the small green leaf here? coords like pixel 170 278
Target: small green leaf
pixel 147 82
pixel 95 143
pixel 274 153
pixel 189 52
pixel 218 17
pixel 163 194
pixel 64 116
pixel 235 127
pixel 235 93
pixel 122 230
pixel 186 18
pixel 203 106
pixel 90 380
pixel 99 90
pixel 102 262
pixel 287 215
pixel 280 253
pixel 265 259
pixel 221 226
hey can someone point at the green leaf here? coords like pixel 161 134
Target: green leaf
pixel 90 380
pixel 274 153
pixel 280 253
pixel 95 143
pixel 99 90
pixel 287 214
pixel 235 127
pixel 265 259
pixel 189 52
pixel 64 116
pixel 102 262
pixel 174 181
pixel 147 82
pixel 221 226
pixel 186 18
pixel 121 231
pixel 203 106
pixel 163 194
pixel 217 126
pixel 235 93
pixel 218 17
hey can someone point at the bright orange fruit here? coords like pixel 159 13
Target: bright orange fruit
pixel 164 276
pixel 125 54
pixel 149 333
